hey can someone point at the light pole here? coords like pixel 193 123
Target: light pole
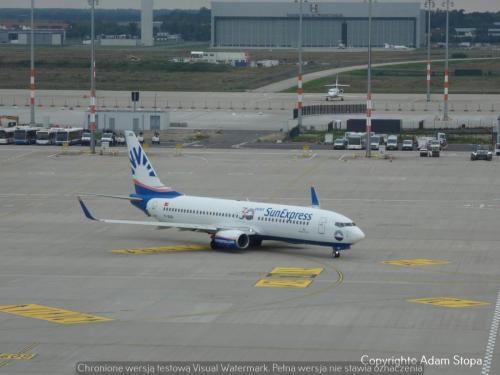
pixel 32 65
pixel 92 124
pixel 369 83
pixel 429 4
pixel 300 90
pixel 446 3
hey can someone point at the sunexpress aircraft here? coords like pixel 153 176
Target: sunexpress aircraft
pixel 231 224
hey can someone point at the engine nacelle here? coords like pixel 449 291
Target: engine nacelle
pixel 231 239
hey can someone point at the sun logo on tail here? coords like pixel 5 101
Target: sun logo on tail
pixel 138 159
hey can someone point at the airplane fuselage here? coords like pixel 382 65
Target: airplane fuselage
pixel 294 224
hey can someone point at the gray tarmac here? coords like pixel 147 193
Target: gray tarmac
pixel 203 305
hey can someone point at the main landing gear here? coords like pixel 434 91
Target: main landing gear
pixel 336 254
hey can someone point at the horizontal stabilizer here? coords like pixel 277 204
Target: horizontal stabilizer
pixel 135 199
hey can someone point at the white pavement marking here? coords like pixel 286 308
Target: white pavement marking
pixel 490 348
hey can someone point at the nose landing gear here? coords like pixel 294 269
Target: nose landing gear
pixel 336 254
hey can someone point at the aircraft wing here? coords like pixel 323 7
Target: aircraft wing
pixel 159 224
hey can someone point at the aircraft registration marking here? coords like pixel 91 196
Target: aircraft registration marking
pixel 52 314
pixel 295 271
pixel 161 249
pixel 283 283
pixel 449 302
pixel 17 356
pixel 415 262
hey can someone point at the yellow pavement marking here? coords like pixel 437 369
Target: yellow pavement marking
pixel 162 249
pixel 295 271
pixel 283 283
pixel 449 302
pixel 52 314
pixel 17 356
pixel 415 262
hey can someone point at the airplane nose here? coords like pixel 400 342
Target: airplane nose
pixel 357 234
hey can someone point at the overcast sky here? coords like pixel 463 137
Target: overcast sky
pixel 468 5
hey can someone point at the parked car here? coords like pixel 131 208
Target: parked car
pixel 339 144
pixel 482 152
pixel 407 145
pixel 140 138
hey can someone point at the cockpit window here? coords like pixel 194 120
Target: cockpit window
pixel 342 225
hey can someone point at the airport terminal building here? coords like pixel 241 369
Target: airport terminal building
pixel 325 24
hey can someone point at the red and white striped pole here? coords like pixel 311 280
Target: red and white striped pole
pixel 32 87
pixel 445 115
pixel 429 80
pixel 93 103
pixel 300 93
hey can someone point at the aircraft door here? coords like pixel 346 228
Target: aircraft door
pixel 322 225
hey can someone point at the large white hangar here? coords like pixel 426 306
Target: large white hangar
pixel 325 24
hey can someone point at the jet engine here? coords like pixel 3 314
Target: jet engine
pixel 230 239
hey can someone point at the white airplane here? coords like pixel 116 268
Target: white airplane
pixel 398 47
pixel 231 224
pixel 336 91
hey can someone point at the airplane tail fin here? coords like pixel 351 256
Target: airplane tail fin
pixel 144 176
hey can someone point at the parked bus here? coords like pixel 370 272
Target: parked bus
pixel 46 136
pixel 355 141
pixel 6 136
pixel 25 135
pixel 71 135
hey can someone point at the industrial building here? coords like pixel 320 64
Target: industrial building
pixel 325 25
pixel 52 37
pixel 132 120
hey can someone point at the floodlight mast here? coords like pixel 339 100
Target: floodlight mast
pixel 429 4
pixel 447 4
pixel 300 89
pixel 369 84
pixel 32 65
pixel 92 124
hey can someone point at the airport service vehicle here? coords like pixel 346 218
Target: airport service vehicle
pixel 108 136
pixel 119 139
pixel 155 139
pixel 336 91
pixel 86 138
pixel 434 148
pixel 407 145
pixel 375 142
pixel 441 137
pixel 497 149
pixel 46 136
pixel 6 136
pixel 24 135
pixel 73 136
pixel 328 139
pixel 392 142
pixel 339 144
pixel 424 152
pixel 140 138
pixel 423 141
pixel 231 224
pixel 482 152
pixel 355 141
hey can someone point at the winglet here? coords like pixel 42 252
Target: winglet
pixel 314 198
pixel 86 211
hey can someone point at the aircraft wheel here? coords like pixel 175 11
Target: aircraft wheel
pixel 336 254
pixel 213 245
